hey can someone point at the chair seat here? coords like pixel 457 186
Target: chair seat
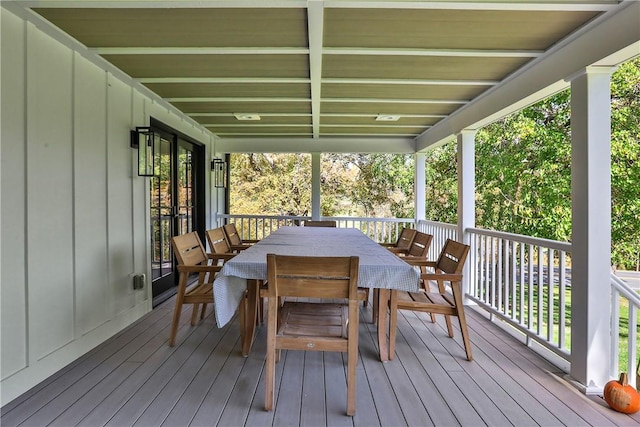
pixel 430 302
pixel 311 319
pixel 199 293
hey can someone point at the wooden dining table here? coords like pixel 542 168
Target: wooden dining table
pixel 236 288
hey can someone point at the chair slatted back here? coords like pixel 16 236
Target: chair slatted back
pixel 233 238
pixel 452 257
pixel 312 277
pixel 189 249
pixel 406 238
pixel 217 241
pixel 420 245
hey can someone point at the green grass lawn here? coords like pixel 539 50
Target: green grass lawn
pixel 624 316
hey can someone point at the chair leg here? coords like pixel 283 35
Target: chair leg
pixel 177 310
pixel 204 309
pixel 457 297
pixel 194 314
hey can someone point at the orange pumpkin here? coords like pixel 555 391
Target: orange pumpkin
pixel 621 396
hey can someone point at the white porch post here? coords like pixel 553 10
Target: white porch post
pixel 419 187
pixel 315 186
pixel 466 157
pixel 591 221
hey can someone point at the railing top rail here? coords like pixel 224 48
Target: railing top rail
pixel 337 218
pixel 552 244
pixel 444 225
pixel 625 290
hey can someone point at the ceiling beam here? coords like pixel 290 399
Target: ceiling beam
pixel 334 144
pixel 468 53
pixel 315 23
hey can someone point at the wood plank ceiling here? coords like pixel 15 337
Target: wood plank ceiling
pixel 321 69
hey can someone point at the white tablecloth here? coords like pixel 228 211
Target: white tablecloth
pixel 378 267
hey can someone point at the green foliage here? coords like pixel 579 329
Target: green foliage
pixel 271 184
pixel 523 171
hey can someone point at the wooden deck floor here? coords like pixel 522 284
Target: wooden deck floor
pixel 136 379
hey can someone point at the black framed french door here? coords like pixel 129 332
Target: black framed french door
pixel 177 199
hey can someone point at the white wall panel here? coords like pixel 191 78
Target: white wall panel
pixel 49 194
pixel 13 322
pixel 119 173
pixel 74 213
pixel 90 207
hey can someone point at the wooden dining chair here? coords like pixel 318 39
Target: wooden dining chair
pixel 418 251
pixel 318 325
pixel 319 223
pixel 235 242
pixel 419 246
pixel 191 258
pixel 220 249
pixel 448 269
pixel 405 239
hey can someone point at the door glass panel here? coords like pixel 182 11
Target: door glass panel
pixel 185 190
pixel 162 211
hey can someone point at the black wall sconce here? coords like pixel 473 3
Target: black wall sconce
pixel 143 139
pixel 219 169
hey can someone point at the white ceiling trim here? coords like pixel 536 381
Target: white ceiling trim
pixel 467 53
pixel 261 114
pixel 201 50
pixel 395 101
pixel 269 80
pixel 544 5
pixel 343 143
pixel 417 116
pixel 412 82
pixel 315 25
pixel 239 99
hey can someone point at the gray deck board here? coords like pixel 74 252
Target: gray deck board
pixel 136 379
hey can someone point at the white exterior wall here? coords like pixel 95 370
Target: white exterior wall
pixel 74 214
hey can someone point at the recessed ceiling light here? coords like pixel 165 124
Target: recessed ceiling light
pixel 247 116
pixel 387 118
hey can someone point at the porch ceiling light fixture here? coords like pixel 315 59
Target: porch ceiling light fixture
pixel 143 139
pixel 246 117
pixel 387 118
pixel 219 169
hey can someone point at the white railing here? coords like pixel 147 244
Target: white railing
pixel 526 282
pixel 624 298
pixel 440 231
pixel 383 230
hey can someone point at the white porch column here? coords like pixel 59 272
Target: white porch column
pixel 315 186
pixel 419 187
pixel 466 157
pixel 591 222
pixel 466 182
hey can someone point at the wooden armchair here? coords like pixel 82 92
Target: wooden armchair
pixel 317 326
pixel 404 240
pixel 417 251
pixel 419 246
pixel 448 268
pixel 319 223
pixel 220 250
pixel 192 258
pixel 235 242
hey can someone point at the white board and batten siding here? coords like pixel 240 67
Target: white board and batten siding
pixel 74 213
